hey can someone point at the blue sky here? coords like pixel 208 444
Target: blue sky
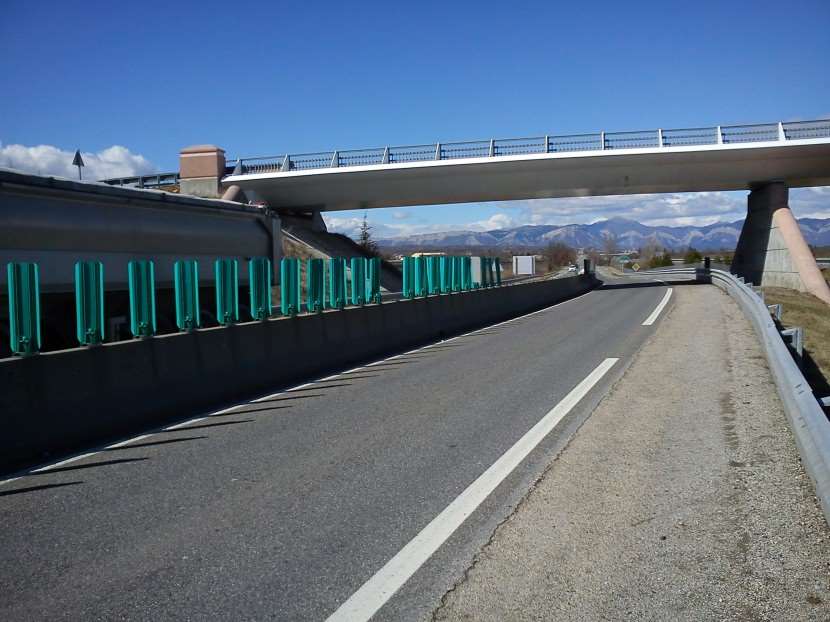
pixel 263 78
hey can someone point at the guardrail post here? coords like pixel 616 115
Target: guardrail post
pixel 24 307
pixel 719 135
pixel 660 138
pixel 547 143
pixel 286 163
pixel 781 134
pixel 335 160
pixel 437 151
pixel 602 141
pixel 89 302
pixel 186 291
pixel 385 155
pixel 141 277
pixel 776 310
pixel 795 336
pixel 226 274
pixel 259 282
pixel 492 148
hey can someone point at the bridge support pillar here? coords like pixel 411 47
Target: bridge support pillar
pixel 771 250
pixel 201 168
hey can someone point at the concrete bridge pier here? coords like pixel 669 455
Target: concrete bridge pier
pixel 771 250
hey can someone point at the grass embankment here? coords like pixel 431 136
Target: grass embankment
pixel 807 311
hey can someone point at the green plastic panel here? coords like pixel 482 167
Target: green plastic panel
pixel 466 273
pixel 24 308
pixel 358 290
pixel 408 270
pixel 290 286
pixel 445 267
pixel 89 302
pixel 433 275
pixel 373 280
pixel 315 286
pixel 337 283
pixel 420 282
pixel 141 277
pixel 186 286
pixel 456 274
pixel 226 274
pixel 259 281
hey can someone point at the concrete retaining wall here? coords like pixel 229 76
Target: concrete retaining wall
pixel 60 402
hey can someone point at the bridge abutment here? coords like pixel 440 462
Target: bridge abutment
pixel 771 250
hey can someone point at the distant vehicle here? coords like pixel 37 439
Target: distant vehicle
pixel 571 268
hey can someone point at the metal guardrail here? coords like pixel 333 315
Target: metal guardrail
pixel 808 422
pixel 598 141
pixel 156 180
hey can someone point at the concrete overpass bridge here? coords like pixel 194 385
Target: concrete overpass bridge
pixel 766 159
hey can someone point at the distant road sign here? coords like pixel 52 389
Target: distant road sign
pixel 636 267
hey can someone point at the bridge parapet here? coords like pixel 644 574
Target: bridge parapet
pixel 597 141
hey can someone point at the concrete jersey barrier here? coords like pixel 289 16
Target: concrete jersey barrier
pixel 59 402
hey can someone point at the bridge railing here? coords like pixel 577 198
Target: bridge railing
pixel 599 141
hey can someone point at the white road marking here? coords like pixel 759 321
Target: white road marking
pixel 364 603
pixel 128 441
pixel 661 305
pixel 63 462
pixel 185 423
pixel 283 392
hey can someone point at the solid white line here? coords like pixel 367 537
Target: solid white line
pixel 656 313
pixel 128 441
pixel 63 462
pixel 185 423
pixel 364 603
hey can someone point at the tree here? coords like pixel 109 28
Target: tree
pixel 560 254
pixel 364 238
pixel 610 246
pixel 692 256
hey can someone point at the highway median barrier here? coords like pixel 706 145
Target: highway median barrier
pixel 128 387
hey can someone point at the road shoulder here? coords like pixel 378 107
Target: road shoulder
pixel 681 498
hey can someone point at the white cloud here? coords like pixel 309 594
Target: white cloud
pixel 115 161
pixel 496 221
pixel 673 210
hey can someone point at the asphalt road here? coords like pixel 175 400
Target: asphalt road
pixel 283 508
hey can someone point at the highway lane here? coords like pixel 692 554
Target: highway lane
pixel 285 507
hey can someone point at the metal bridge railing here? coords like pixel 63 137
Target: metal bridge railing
pixel 600 141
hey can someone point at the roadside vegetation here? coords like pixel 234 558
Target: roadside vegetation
pixel 805 310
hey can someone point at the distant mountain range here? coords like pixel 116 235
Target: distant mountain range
pixel 628 234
